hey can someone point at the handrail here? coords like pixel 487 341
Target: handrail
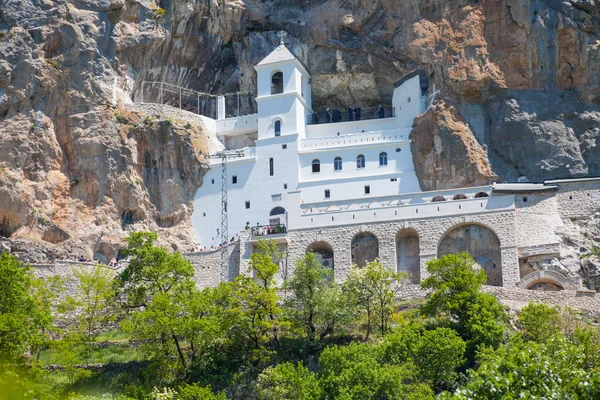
pixel 266 230
pixel 336 115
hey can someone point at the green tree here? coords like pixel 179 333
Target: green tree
pixel 539 322
pixel 24 321
pixel 313 304
pixel 437 353
pixel 455 297
pixel 372 289
pixel 157 290
pixel 531 370
pixel 353 372
pixel 288 382
pixel 197 392
pixel 92 299
pixel 255 305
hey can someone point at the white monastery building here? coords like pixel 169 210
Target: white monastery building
pixel 344 185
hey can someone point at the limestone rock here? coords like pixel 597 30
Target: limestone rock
pixel 445 152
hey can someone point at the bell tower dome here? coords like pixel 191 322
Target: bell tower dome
pixel 284 100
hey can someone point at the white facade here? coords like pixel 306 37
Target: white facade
pixel 278 170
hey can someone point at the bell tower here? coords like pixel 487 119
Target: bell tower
pixel 283 99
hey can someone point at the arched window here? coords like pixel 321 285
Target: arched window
pixel 459 196
pixel 277 211
pixel 271 168
pixel 337 164
pixel 382 158
pixel 481 194
pixel 277 83
pixel 316 165
pixel 438 198
pixel 360 161
pixel 277 128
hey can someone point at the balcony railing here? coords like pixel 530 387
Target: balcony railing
pixel 276 89
pixel 323 117
pixel 266 230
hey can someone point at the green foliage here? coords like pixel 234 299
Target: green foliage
pixel 169 121
pixel 314 305
pixel 353 372
pixel 197 392
pixel 455 297
pixel 530 370
pixel 159 13
pixel 437 353
pixel 372 289
pixel 160 298
pixel 25 315
pixel 119 117
pixel 92 300
pixel 288 382
pixel 539 322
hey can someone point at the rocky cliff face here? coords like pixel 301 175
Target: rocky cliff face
pixel 516 80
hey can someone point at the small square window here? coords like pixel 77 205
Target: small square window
pixel 204 214
pixel 234 179
pixel 327 193
pixel 524 199
pixel 212 181
pixel 393 179
pixel 367 189
pixel 284 146
pixel 247 205
pixel 285 185
pixel 276 197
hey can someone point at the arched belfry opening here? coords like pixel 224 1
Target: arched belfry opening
pixel 277 83
pixel 481 243
pixel 408 260
pixel 364 248
pixel 324 252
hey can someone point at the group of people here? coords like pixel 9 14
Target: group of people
pixel 354 114
pixel 198 249
pixel 268 230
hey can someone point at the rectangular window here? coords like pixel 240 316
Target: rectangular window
pixel 212 181
pixel 276 197
pixel 247 205
pixel 271 167
pixel 327 194
pixel 284 146
pixel 285 185
pixel 234 179
pixel 367 189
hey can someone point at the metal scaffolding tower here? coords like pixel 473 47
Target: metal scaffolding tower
pixel 224 155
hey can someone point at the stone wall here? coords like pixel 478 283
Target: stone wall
pixel 207 265
pixel 430 231
pixel 578 199
pixel 538 219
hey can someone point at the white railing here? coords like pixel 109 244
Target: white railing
pixel 352 139
pixel 210 105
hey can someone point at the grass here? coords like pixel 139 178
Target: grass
pixel 82 354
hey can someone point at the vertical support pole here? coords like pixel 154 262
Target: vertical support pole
pixel 143 84
pixel 221 107
pixel 161 92
pixel 198 102
pixel 238 111
pixel 224 223
pixel 180 97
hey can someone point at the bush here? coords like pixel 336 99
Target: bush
pixel 288 382
pixel 539 322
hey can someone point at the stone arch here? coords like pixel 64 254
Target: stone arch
pixel 375 204
pixel 481 243
pixel 333 208
pixel 416 200
pixel 364 248
pixel 353 206
pixel 407 254
pixel 324 252
pixel 438 198
pixel 549 280
pixel 459 196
